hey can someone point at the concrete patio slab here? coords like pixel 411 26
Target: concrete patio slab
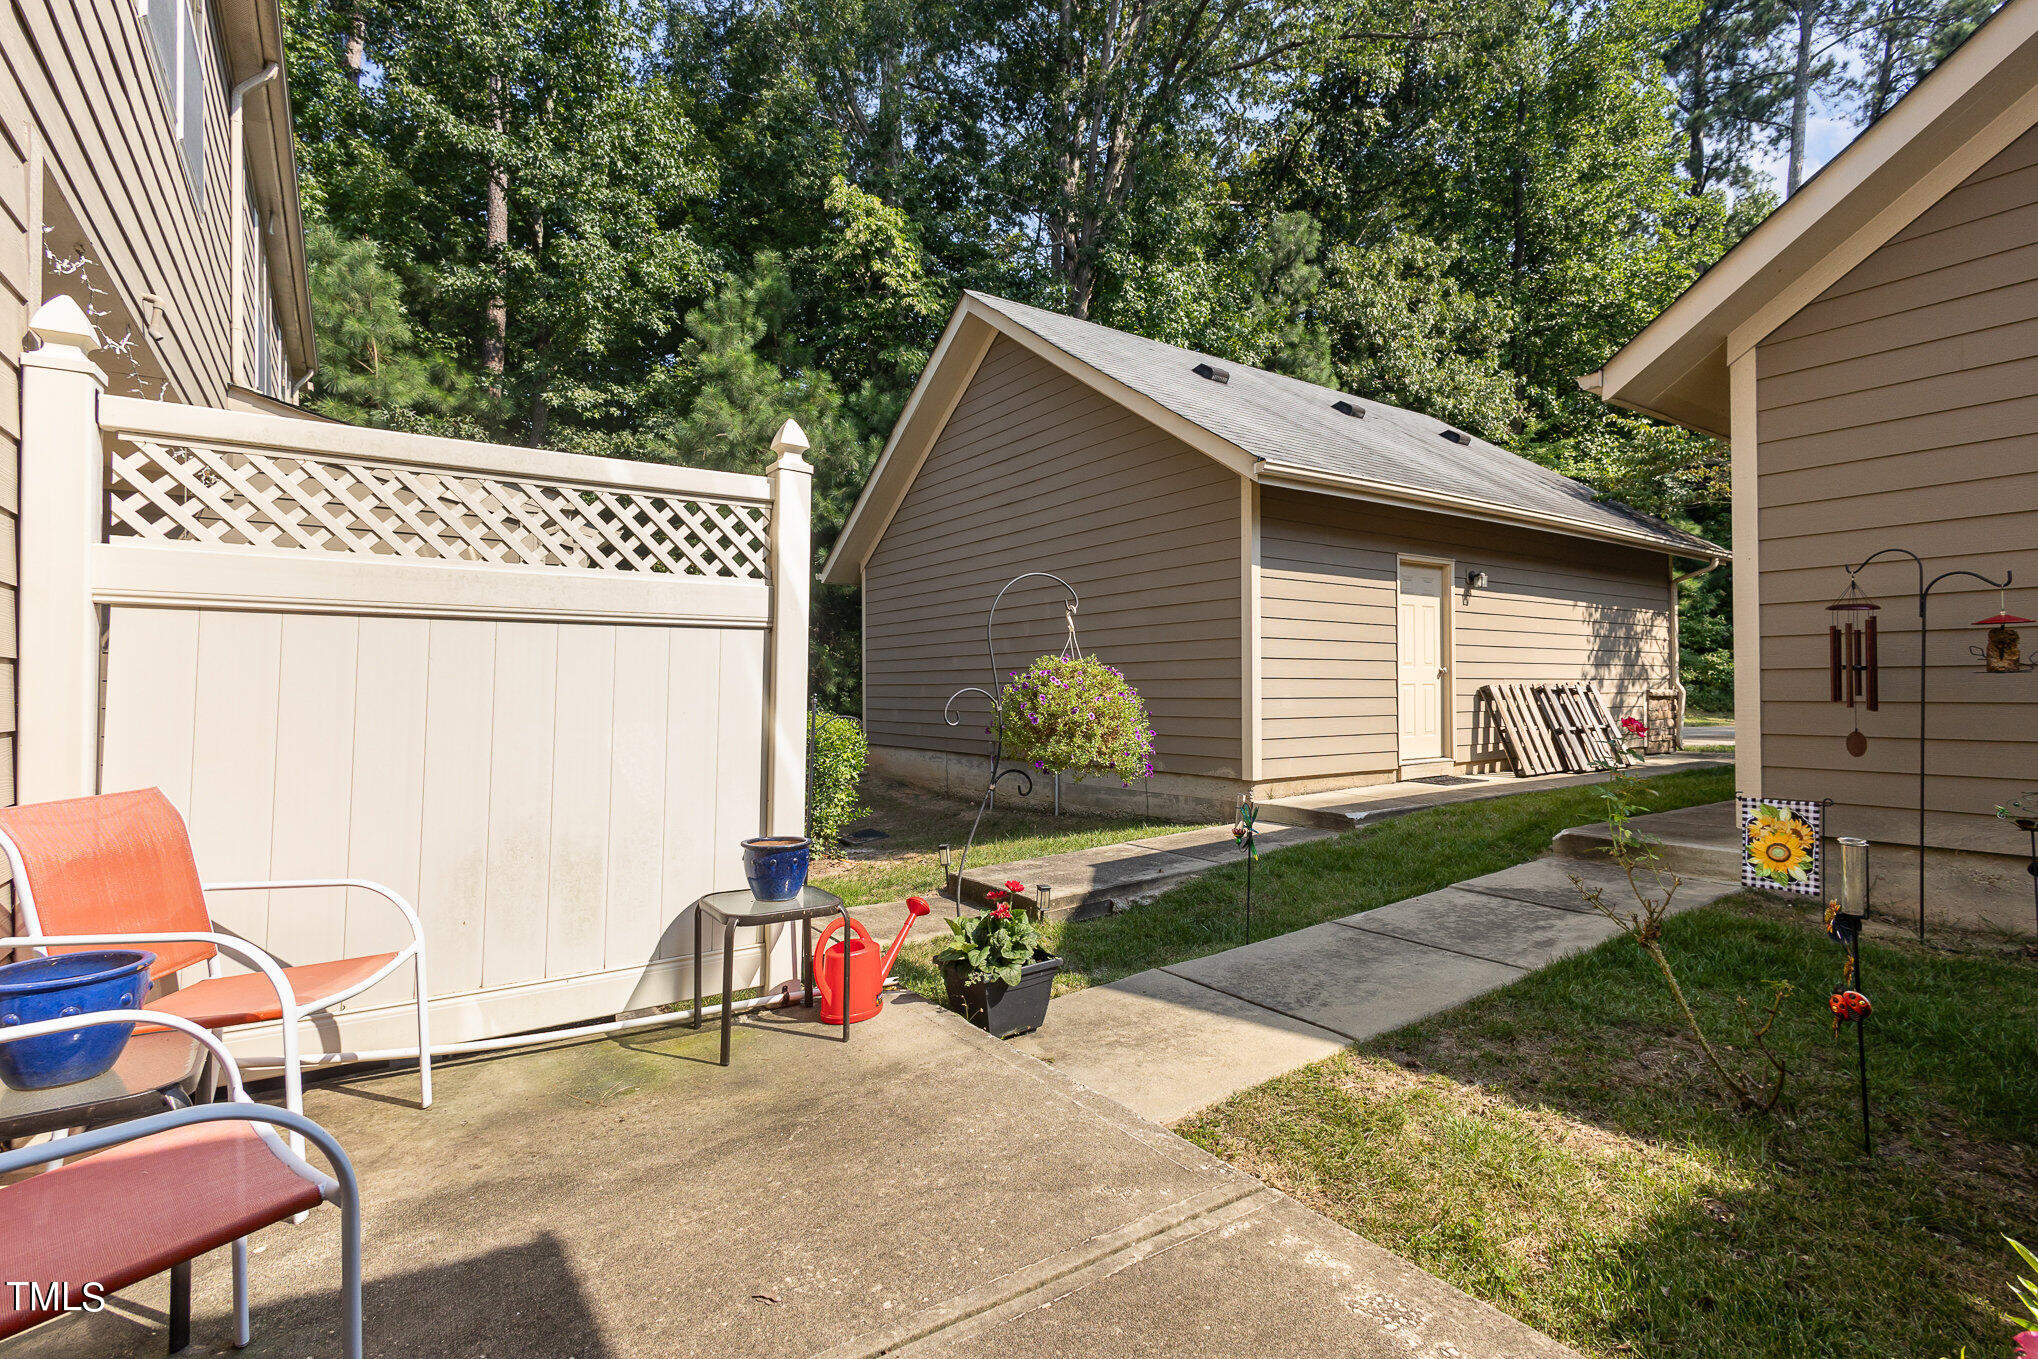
pixel 1318 1293
pixel 1167 1046
pixel 1344 808
pixel 632 1200
pixel 1350 982
pixel 1516 933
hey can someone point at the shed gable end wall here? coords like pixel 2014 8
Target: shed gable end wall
pixel 1035 471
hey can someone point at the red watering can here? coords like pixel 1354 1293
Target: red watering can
pixel 867 967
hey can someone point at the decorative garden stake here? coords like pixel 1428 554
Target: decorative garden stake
pixel 1248 839
pixel 1843 925
pixel 2023 813
pixel 1925 589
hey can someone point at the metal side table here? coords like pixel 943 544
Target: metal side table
pixel 156 1071
pixel 743 908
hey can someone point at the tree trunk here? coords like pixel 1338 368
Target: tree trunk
pixel 1701 103
pixel 357 44
pixel 495 339
pixel 1800 94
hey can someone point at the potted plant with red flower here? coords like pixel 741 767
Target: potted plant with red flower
pixel 998 973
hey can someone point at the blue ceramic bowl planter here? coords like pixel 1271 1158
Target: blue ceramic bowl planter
pixel 776 866
pixel 59 987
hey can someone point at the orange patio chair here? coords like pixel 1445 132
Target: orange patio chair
pixel 117 869
pixel 159 1191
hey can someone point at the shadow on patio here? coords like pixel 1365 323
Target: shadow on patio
pixel 915 1190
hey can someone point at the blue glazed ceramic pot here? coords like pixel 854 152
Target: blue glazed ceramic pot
pixel 776 866
pixel 59 987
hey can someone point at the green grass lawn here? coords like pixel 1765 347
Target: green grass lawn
pixel 1319 881
pixel 916 822
pixel 1552 1148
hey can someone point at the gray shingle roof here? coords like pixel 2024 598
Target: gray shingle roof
pixel 1291 426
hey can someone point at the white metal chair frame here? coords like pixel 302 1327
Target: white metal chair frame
pixel 339 1188
pixel 294 1012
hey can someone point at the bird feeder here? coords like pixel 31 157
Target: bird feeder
pixel 1851 649
pixel 1999 655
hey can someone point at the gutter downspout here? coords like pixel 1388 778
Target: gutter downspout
pixel 1676 642
pixel 237 159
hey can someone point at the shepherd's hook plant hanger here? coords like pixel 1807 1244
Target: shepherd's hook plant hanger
pixel 1070 650
pixel 1925 589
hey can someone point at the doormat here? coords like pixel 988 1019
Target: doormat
pixel 1448 780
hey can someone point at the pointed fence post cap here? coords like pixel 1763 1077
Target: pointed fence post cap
pixel 61 321
pixel 791 439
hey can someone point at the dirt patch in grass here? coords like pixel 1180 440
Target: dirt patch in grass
pixel 1554 1148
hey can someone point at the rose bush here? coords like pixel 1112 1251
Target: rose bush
pixel 1076 715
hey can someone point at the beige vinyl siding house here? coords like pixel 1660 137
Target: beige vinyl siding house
pixel 1878 337
pixel 1289 585
pixel 117 147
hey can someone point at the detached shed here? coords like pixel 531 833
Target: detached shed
pixel 1308 587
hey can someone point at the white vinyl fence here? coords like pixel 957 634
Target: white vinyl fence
pixel 542 695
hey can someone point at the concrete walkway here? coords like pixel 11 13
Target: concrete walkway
pixel 1112 877
pixel 921 1190
pixel 1172 1040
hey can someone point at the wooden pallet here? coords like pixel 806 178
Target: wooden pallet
pixel 1556 728
pixel 1523 730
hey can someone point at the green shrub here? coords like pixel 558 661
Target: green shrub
pixel 1076 715
pixel 834 776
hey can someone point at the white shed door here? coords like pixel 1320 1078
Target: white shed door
pixel 1424 681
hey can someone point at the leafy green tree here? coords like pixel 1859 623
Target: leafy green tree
pixel 524 178
pixel 374 367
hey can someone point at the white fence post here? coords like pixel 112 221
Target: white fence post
pixel 63 482
pixel 785 702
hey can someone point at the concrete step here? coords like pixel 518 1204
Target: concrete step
pixel 1694 842
pixel 1110 878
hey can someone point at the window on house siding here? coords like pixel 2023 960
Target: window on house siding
pixel 174 32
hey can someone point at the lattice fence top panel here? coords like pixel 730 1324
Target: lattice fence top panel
pixel 239 497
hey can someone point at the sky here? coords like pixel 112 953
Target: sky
pixel 1828 130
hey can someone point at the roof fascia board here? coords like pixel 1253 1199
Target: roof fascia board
pixel 1945 175
pixel 1758 252
pixel 1353 488
pixel 915 431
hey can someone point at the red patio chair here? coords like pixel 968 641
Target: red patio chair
pixel 159 1191
pixel 117 869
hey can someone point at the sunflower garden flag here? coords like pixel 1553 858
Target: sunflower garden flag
pixel 1780 844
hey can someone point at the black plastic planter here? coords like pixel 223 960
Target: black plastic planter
pixel 1004 1010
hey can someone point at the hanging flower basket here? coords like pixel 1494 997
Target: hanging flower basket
pixel 1076 715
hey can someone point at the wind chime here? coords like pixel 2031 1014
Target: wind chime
pixel 1245 835
pixel 1851 658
